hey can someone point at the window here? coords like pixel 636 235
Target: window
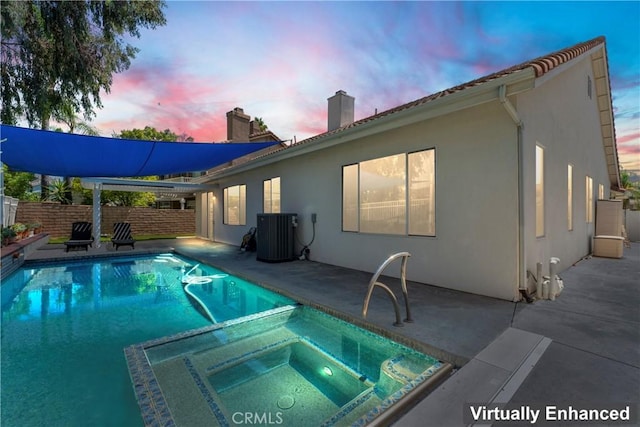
pixel 235 205
pixel 383 195
pixel 600 192
pixel 390 195
pixel 589 199
pixel 350 198
pixel 539 191
pixel 570 197
pixel 271 188
pixel 422 192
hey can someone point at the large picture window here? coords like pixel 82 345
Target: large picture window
pixel 390 195
pixel 235 205
pixel 271 190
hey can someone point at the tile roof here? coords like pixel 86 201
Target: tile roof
pixel 540 65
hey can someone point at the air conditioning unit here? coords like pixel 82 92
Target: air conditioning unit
pixel 275 238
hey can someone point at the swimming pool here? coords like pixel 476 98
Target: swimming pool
pixel 64 328
pixel 201 348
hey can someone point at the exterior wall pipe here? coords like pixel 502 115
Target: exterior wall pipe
pixel 508 106
pixel 539 280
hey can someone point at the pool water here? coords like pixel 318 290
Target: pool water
pixel 64 328
pixel 290 366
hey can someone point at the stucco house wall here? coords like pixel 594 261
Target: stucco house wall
pixel 560 116
pixel 475 246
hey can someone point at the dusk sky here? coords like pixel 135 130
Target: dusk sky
pixel 281 60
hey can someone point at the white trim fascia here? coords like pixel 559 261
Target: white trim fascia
pixel 607 124
pixel 485 92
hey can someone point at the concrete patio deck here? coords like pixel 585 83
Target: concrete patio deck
pixel 583 348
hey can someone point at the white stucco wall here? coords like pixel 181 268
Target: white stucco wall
pixel 559 115
pixel 475 247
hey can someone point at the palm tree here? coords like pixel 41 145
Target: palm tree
pixel 67 115
pixel 260 123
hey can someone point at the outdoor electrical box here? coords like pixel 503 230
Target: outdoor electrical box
pixel 275 237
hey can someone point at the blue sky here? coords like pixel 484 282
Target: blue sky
pixel 281 60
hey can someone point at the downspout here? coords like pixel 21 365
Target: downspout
pixel 508 106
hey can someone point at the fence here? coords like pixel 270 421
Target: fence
pixel 56 219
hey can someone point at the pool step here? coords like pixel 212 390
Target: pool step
pixel 401 369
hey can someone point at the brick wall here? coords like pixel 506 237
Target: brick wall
pixel 56 219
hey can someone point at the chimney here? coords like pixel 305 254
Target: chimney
pixel 237 125
pixel 253 127
pixel 341 110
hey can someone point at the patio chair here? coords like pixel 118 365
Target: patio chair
pixel 122 235
pixel 80 236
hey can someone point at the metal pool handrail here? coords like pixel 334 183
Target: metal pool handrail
pixel 374 282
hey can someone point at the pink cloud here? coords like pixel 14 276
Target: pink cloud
pixel 634 136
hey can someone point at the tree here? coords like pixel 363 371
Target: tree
pixel 629 182
pixel 126 198
pixel 66 114
pixel 57 51
pixel 17 184
pixel 149 134
pixel 262 127
pixel 63 53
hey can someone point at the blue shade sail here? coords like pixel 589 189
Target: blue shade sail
pixel 65 154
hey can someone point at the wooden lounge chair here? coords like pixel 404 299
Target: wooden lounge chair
pixel 80 236
pixel 122 235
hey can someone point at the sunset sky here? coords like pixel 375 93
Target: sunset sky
pixel 281 60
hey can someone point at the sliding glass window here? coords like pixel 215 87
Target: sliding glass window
pixel 390 195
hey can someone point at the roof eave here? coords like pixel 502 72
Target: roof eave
pixel 602 86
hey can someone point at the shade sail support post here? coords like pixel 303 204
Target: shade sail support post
pixel 97 214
